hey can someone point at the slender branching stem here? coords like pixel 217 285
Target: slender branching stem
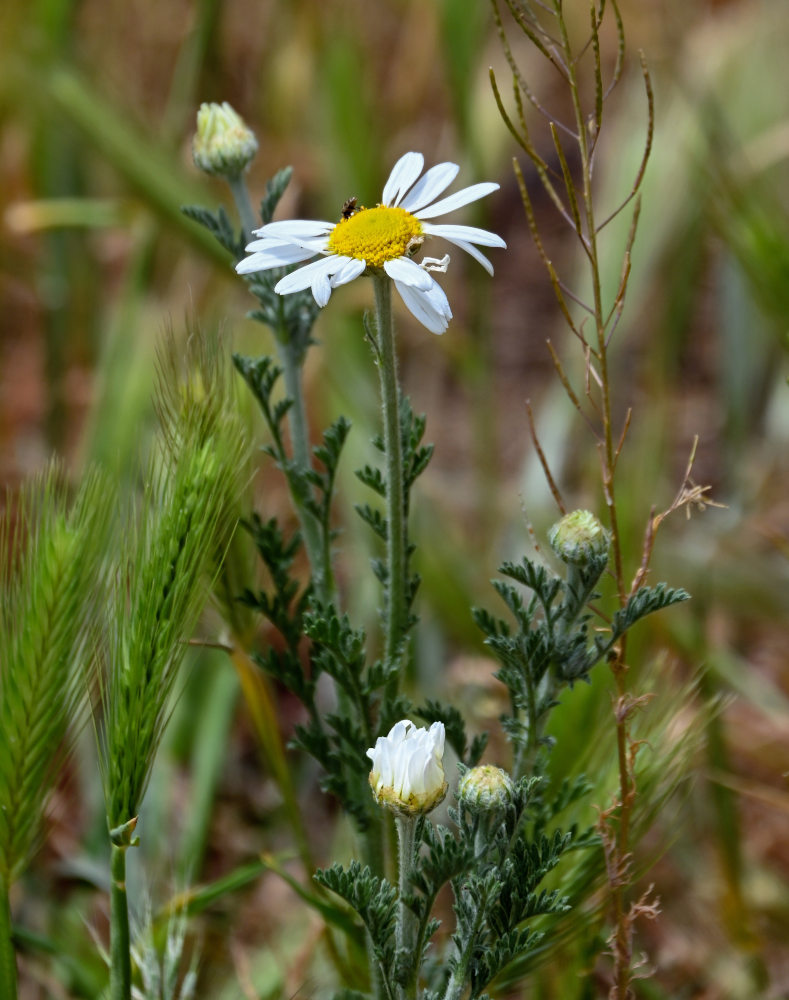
pixel 120 940
pixel 8 984
pixel 622 971
pixel 396 609
pixel 407 929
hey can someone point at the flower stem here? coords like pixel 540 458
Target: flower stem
pixel 396 609
pixel 407 928
pixel 120 942
pixel 457 981
pixel 291 357
pixel 246 212
pixel 318 553
pixel 8 985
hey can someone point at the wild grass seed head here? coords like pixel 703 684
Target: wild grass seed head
pixel 189 512
pixel 51 578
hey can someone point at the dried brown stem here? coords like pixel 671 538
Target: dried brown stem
pixel 544 461
pixel 579 211
pixel 522 82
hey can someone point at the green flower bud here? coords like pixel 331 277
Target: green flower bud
pixel 223 145
pixel 486 789
pixel 579 538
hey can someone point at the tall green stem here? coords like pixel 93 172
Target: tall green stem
pixel 291 357
pixel 246 212
pixel 407 927
pixel 318 551
pixel 396 607
pixel 7 957
pixel 120 941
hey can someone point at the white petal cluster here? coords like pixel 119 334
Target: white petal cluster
pixel 281 244
pixel 408 771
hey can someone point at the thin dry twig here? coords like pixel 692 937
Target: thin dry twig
pixel 568 388
pixel 532 222
pixel 647 146
pixel 623 435
pixel 689 495
pixel 531 97
pixel 557 496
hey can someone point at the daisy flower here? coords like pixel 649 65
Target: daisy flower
pixel 386 238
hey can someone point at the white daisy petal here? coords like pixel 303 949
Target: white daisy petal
pixel 321 288
pixel 403 175
pixel 436 180
pixel 410 273
pixel 270 245
pixel 303 277
pixel 351 268
pixel 476 254
pixel 457 200
pixel 318 244
pixel 281 257
pixel 438 300
pixel 299 228
pixel 257 262
pixel 426 306
pixel 469 234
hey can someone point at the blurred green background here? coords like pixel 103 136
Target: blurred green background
pixel 97 109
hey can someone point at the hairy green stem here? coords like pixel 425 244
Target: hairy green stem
pixel 246 212
pixel 120 941
pixel 457 981
pixel 407 928
pixel 317 547
pixel 372 852
pixel 396 609
pixel 291 357
pixel 8 986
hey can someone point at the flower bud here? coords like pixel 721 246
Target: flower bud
pixel 223 145
pixel 486 789
pixel 579 538
pixel 408 771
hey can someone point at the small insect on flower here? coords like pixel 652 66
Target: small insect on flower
pixel 384 238
pixel 349 208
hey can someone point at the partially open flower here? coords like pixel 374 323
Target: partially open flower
pixel 223 145
pixel 578 538
pixel 408 771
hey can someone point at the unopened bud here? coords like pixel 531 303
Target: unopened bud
pixel 486 789
pixel 223 145
pixel 579 538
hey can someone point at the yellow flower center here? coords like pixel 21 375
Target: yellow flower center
pixel 376 235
